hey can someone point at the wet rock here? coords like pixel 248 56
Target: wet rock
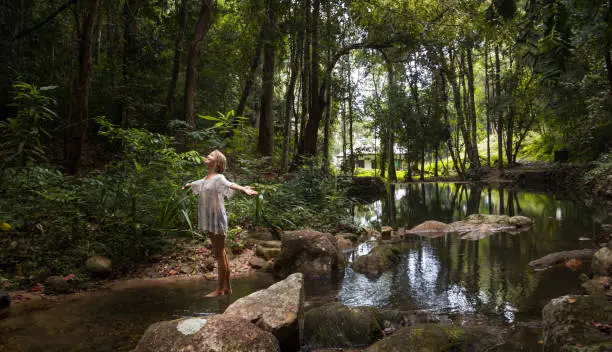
pixel 98 266
pixel 186 269
pixel 343 243
pixel 278 309
pixel 568 324
pixel 211 334
pixel 599 285
pixel 381 258
pixel 5 302
pixel 602 262
pixel 267 253
pixel 478 226
pixel 349 236
pixel 312 253
pixel 385 232
pixel 561 257
pixel 368 233
pixel 438 338
pixel 257 263
pixel 335 325
pixel 5 299
pixel 58 284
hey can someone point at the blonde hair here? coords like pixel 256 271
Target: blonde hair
pixel 220 161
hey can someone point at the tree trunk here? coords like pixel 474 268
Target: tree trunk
pixel 328 99
pixel 509 135
pixel 309 147
pixel 460 114
pixel 295 44
pixel 265 142
pixel 248 85
pixel 422 171
pixel 166 111
pixel 390 135
pixel 488 103
pixel 305 80
pixel 350 116
pixel 444 103
pixel 79 100
pixel 205 19
pixel 128 56
pixel 436 148
pixel 344 159
pixel 474 142
pixel 500 122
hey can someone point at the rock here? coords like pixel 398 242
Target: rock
pixel 386 232
pixel 430 226
pixel 257 263
pixel 335 325
pixel 599 285
pixel 211 334
pixel 343 243
pixel 186 269
pixel 5 300
pixel 369 233
pixel 568 324
pixel 267 253
pixel 270 244
pixel 381 258
pixel 98 266
pixel 313 253
pixel 602 262
pixel 561 257
pixel 349 236
pixel 391 319
pixel 57 284
pixel 496 223
pixel 278 309
pixel 438 338
pixel 262 235
pixel 520 221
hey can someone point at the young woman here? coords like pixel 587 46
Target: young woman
pixel 212 218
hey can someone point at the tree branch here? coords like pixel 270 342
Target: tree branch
pixel 46 20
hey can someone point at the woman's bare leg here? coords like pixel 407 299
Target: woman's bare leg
pixel 227 289
pixel 218 243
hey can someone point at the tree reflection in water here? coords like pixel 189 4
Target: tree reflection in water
pixel 449 275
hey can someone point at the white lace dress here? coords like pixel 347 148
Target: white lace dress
pixel 211 207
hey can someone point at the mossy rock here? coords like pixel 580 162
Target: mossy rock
pixel 335 325
pixel 438 338
pixel 568 324
pixel 381 258
pixel 98 266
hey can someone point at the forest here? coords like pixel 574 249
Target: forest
pixel 107 107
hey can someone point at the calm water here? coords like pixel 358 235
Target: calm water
pixel 486 281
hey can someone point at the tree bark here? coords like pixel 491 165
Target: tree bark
pixel 295 44
pixel 79 100
pixel 390 135
pixel 474 141
pixel 444 103
pixel 181 17
pixel 205 19
pixel 248 85
pixel 265 143
pixel 488 103
pixel 500 122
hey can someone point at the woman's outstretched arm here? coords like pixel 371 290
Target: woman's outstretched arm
pixel 246 189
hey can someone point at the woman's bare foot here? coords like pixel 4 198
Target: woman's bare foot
pixel 227 291
pixel 216 293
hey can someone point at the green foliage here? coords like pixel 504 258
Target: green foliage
pixel 598 178
pixel 22 136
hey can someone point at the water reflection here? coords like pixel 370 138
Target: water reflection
pixel 448 275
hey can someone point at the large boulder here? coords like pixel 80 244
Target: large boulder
pixel 570 324
pixel 385 232
pixel 429 227
pixel 599 285
pixel 267 253
pixel 98 266
pixel 313 253
pixel 438 338
pixel 478 226
pixel 335 325
pixel 218 333
pixel 381 258
pixel 602 262
pixel 278 309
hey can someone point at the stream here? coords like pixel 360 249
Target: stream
pixel 476 282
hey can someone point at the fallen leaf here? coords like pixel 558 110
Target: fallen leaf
pixel 6 284
pixel 571 300
pixel 172 272
pixel 5 227
pixel 37 287
pixel 573 264
pixel 607 328
pixel 69 277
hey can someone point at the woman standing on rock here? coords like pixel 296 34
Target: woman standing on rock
pixel 212 218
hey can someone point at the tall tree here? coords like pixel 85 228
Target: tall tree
pixel 205 19
pixel 265 143
pixel 78 114
pixel 181 19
